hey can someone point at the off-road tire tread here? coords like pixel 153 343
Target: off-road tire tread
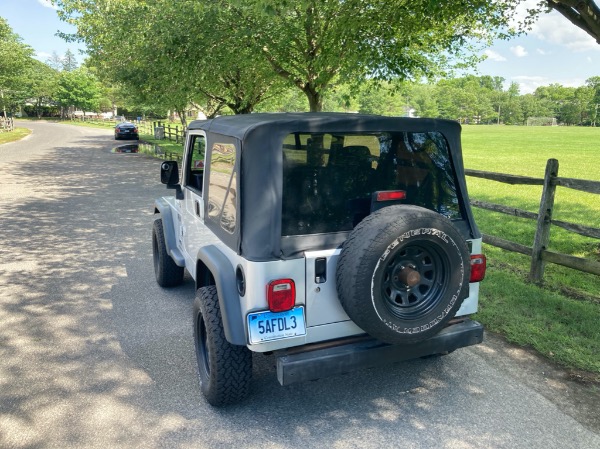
pixel 169 274
pixel 230 365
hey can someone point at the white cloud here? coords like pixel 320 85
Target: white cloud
pixel 528 84
pixel 493 56
pixel 519 51
pixel 42 55
pixel 589 59
pixel 542 51
pixel 556 29
pixel 47 4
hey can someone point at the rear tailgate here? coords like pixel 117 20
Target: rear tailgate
pixel 322 303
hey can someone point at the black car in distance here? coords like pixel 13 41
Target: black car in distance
pixel 126 130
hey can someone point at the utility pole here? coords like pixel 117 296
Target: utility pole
pixel 498 113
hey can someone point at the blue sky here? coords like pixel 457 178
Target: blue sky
pixel 553 52
pixel 36 22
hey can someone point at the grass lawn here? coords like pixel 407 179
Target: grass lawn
pixel 167 146
pixel 12 136
pixel 91 124
pixel 561 319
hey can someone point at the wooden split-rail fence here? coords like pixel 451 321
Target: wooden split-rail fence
pixel 538 251
pixel 6 124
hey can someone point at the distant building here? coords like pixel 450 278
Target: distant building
pixel 409 112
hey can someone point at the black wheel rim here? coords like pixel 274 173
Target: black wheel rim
pixel 203 352
pixel 411 302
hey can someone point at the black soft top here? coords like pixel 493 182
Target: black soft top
pixel 260 138
pixel 241 126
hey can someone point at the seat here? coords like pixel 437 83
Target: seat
pixel 350 170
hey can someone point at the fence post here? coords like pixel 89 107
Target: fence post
pixel 177 134
pixel 542 232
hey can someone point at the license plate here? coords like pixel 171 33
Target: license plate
pixel 267 326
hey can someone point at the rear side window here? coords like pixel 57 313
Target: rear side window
pixel 222 192
pixel 328 179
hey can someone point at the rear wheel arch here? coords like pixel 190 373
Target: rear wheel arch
pixel 204 277
pixel 214 268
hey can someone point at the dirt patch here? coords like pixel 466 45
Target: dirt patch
pixel 576 393
pixel 581 296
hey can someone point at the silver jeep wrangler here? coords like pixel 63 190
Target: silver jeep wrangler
pixel 333 241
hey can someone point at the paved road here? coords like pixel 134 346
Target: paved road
pixel 93 354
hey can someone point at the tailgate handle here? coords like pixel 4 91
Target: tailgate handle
pixel 320 270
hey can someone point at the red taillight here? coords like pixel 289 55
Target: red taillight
pixel 391 195
pixel 281 295
pixel 135 130
pixel 478 264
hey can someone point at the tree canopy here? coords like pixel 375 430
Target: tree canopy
pixel 15 59
pixel 240 56
pixel 233 52
pixel 78 89
pixel 310 42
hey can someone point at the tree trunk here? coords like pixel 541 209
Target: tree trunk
pixel 315 99
pixel 182 118
pixel 241 108
pixel 3 106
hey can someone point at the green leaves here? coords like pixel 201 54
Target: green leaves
pixel 15 59
pixel 238 52
pixel 79 89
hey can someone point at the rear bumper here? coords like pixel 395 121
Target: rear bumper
pixel 316 362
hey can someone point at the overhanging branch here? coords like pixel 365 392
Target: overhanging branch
pixel 584 14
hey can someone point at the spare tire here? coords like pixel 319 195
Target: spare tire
pixel 403 273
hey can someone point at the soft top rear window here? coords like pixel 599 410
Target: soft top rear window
pixel 329 178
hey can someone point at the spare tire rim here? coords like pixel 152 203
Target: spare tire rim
pixel 414 280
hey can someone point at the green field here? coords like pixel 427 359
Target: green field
pixel 561 319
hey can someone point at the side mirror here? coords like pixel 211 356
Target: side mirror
pixel 169 175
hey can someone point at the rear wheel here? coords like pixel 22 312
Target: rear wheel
pixel 224 370
pixel 167 272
